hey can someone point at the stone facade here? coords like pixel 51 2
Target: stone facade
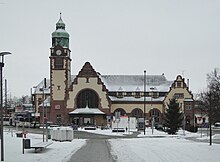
pixel 90 98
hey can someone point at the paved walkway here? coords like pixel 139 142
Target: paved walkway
pixel 95 150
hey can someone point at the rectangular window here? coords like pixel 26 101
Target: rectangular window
pixel 188 106
pixel 155 95
pixel 120 94
pixel 59 118
pixel 137 95
pixel 178 84
pixel 129 94
pixel 39 101
pixel 179 95
pixel 58 63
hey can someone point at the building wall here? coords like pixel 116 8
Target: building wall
pixel 131 106
pixel 37 97
pixel 100 120
pixel 175 89
pixel 58 80
pixel 83 83
pixel 181 100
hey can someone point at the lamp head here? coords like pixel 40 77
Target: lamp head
pixel 4 53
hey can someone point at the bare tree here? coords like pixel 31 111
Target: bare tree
pixel 213 94
pixel 210 99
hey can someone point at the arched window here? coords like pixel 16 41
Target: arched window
pixel 138 113
pixel 155 113
pixel 87 98
pixel 122 111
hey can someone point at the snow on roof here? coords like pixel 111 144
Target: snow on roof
pixel 136 99
pixel 188 99
pixel 73 77
pixel 122 83
pixel 136 82
pixel 46 102
pixel 39 88
pixel 86 110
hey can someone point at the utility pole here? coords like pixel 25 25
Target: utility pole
pixel 210 126
pixel 44 86
pixel 2 54
pixel 6 99
pixel 144 100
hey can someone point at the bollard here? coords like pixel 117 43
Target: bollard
pixel 25 135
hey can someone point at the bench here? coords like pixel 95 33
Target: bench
pixel 90 128
pixel 118 130
pixel 38 146
pixel 41 145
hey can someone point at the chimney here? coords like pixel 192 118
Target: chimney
pixel 188 83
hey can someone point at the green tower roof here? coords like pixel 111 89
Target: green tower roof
pixel 60 31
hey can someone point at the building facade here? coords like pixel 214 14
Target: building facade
pixel 90 98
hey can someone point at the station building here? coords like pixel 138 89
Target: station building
pixel 90 98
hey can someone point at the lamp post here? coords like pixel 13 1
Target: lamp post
pixel 152 112
pixel 144 100
pixel 34 105
pixel 43 100
pixel 44 87
pixel 184 118
pixel 43 112
pixel 2 54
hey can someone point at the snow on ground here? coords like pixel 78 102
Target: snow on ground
pixel 163 150
pixel 149 132
pixel 159 147
pixel 57 152
pixel 205 137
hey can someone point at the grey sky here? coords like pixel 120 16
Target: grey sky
pixel 115 36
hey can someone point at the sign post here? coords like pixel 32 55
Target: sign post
pixel 117 118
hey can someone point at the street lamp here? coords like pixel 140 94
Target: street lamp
pixel 43 106
pixel 2 54
pixel 43 100
pixel 184 118
pixel 144 100
pixel 152 113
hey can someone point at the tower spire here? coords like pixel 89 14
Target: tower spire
pixel 60 24
pixel 60 36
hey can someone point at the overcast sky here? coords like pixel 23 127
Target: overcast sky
pixel 116 36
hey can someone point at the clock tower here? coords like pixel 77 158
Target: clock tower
pixel 60 73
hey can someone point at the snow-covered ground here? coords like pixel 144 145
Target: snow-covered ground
pixel 163 150
pixel 158 147
pixel 161 147
pixel 57 152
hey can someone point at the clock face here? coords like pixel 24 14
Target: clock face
pixel 58 52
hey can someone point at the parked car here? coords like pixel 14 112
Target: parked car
pixel 159 126
pixel 217 124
